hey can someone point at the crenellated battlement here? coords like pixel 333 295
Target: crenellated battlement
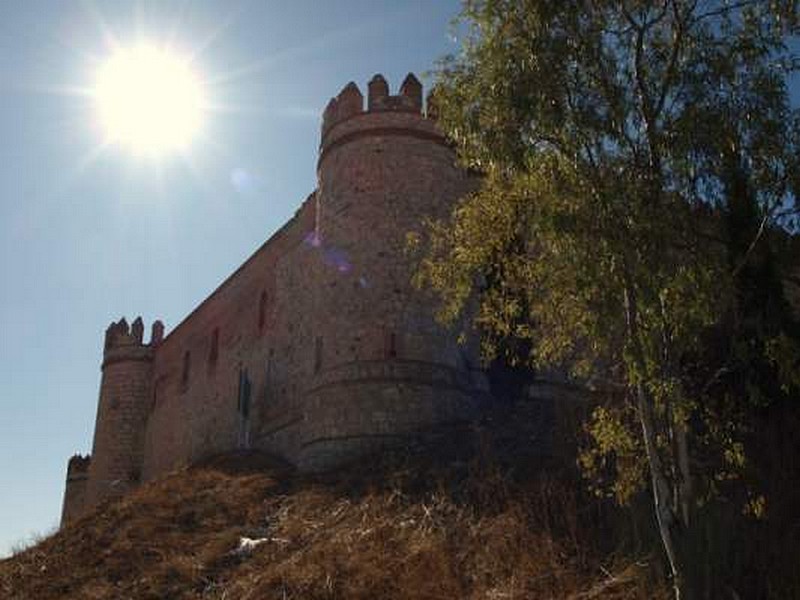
pixel 78 466
pixel 346 119
pixel 120 335
pixel 350 101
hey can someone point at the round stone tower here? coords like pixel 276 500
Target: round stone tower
pixel 383 367
pixel 122 409
pixel 75 489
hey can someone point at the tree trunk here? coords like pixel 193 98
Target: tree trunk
pixel 661 490
pixel 665 517
pixel 685 489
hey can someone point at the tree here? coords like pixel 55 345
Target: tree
pixel 611 137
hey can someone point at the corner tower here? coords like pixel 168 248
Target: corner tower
pixel 122 409
pixel 383 368
pixel 75 489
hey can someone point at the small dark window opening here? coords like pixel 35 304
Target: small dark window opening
pixel 213 353
pixel 187 362
pixel 243 407
pixel 317 355
pixel 134 475
pixel 391 345
pixel 262 312
pixel 244 394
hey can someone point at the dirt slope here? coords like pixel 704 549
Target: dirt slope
pixel 459 525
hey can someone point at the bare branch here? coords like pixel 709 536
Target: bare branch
pixel 752 246
pixel 677 46
pixel 725 8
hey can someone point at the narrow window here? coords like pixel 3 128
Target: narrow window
pixel 268 375
pixel 187 362
pixel 244 409
pixel 213 352
pixel 244 394
pixel 317 354
pixel 262 312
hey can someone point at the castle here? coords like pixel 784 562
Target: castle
pixel 317 348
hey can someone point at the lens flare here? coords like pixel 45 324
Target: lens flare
pixel 333 257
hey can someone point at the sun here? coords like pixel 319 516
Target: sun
pixel 149 100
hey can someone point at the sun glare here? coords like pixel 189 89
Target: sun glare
pixel 149 100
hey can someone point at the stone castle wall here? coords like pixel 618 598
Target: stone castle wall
pixel 238 330
pixel 318 347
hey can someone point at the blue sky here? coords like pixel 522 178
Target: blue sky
pixel 91 233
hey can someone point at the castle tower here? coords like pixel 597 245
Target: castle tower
pixel 383 367
pixel 75 490
pixel 125 395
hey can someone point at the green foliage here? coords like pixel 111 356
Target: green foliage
pixel 633 156
pixel 605 135
pixel 615 462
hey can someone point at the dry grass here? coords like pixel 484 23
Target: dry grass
pixel 451 519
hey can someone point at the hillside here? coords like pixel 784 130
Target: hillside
pixel 487 518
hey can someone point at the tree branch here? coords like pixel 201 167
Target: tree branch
pixel 751 247
pixel 726 9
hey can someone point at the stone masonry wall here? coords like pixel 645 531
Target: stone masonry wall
pixel 194 408
pixel 318 347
